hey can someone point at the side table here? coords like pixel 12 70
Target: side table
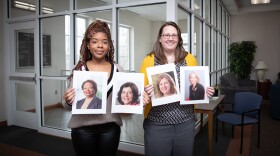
pixel 263 88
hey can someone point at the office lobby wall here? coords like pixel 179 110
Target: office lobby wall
pixel 264 28
pixel 2 91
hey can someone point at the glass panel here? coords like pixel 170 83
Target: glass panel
pixel 227 25
pixel 219 61
pixel 183 22
pixel 92 3
pixel 82 22
pixel 214 54
pixel 214 4
pixel 50 6
pixel 219 17
pixel 197 7
pixel 185 3
pixel 142 38
pixel 197 41
pixel 207 10
pixel 207 46
pixel 54 115
pixel 25 97
pixel 143 32
pixel 223 21
pixel 22 8
pixel 25 51
pixel 124 54
pixel 224 52
pixel 54 54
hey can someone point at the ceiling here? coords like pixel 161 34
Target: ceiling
pixel 237 7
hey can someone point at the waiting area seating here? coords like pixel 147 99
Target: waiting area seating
pixel 230 84
pixel 246 111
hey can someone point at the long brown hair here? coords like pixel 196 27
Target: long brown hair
pixel 85 55
pixel 180 52
pixel 173 89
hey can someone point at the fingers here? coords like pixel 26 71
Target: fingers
pixel 210 91
pixel 146 98
pixel 149 89
pixel 148 93
pixel 69 95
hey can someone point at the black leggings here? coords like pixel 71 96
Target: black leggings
pixel 96 140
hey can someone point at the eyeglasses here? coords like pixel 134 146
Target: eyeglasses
pixel 167 36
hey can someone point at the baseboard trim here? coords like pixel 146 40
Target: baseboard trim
pixel 58 105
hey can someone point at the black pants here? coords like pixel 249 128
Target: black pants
pixel 96 140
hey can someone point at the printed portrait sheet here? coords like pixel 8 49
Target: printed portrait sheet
pixel 91 92
pixel 128 93
pixel 165 82
pixel 194 80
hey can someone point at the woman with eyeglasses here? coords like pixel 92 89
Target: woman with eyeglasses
pixel 169 129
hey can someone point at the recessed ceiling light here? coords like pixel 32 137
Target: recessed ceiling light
pixel 260 1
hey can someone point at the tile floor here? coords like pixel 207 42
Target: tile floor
pixel 131 131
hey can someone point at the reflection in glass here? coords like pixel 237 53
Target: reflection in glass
pixel 207 46
pixel 25 97
pixel 53 50
pixel 207 10
pixel 140 34
pixel 81 4
pixel 197 41
pixel 214 54
pixel 183 22
pixel 223 21
pixel 185 3
pixel 54 115
pixel 50 6
pixel 197 7
pixel 22 8
pixel 82 22
pixel 24 51
pixel 214 13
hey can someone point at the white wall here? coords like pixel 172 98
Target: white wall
pixel 2 100
pixel 264 28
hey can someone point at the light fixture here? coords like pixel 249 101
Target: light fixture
pixel 31 7
pixel 260 1
pixel 261 66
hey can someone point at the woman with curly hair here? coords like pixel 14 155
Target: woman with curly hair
pixel 95 134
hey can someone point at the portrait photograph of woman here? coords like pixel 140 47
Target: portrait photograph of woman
pixel 194 82
pixel 127 93
pixel 90 92
pixel 165 83
pixel 91 100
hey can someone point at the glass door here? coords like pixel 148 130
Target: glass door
pixel 22 75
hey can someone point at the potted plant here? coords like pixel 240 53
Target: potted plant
pixel 240 57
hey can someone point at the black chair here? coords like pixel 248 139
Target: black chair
pixel 246 111
pixel 230 84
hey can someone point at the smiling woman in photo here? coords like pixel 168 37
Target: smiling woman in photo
pixel 128 94
pixel 197 91
pixel 91 101
pixel 165 85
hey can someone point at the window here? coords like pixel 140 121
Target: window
pixel 124 50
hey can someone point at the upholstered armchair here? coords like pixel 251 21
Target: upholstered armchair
pixel 230 84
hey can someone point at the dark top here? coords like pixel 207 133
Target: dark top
pixel 197 93
pixel 95 103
